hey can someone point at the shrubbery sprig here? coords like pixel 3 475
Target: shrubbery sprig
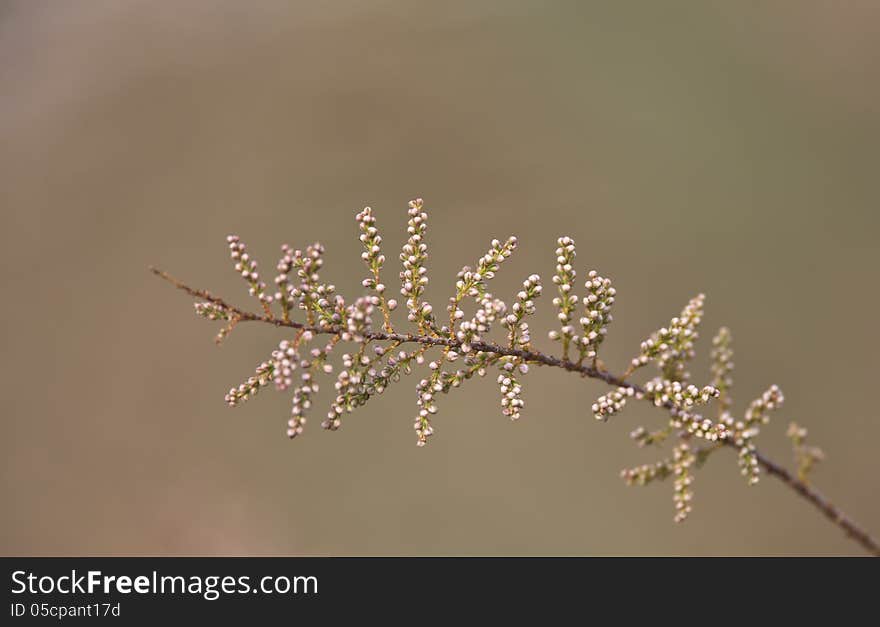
pixel 376 354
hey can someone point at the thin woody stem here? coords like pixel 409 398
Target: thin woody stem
pixel 852 529
pixel 831 511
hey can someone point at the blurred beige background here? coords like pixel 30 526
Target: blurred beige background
pixel 722 147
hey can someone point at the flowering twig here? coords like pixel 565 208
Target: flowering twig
pixel 381 357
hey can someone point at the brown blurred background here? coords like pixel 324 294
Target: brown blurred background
pixel 722 147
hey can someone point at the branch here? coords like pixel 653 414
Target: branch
pixel 852 529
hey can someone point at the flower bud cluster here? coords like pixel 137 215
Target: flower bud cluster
pixel 368 376
pixel 646 473
pixel 285 360
pixel 746 430
pixel 425 392
pixel 302 400
pixel 757 413
pixel 247 268
pixel 319 355
pixel 440 382
pixel 682 460
pixel 680 467
pixel 671 347
pixel 805 456
pixel 393 368
pixel 347 381
pixel 374 259
pixel 722 366
pixel 471 331
pixel 358 318
pixel 476 363
pixel 566 302
pixel 697 425
pixel 313 296
pixel 518 329
pixel 683 396
pixel 371 240
pixel 414 277
pixel 212 311
pixel 225 331
pixel 643 437
pixel 264 374
pixel 511 390
pixel 473 282
pixel 489 264
pixel 594 323
pixel 609 404
pixel 283 286
pixel 747 458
